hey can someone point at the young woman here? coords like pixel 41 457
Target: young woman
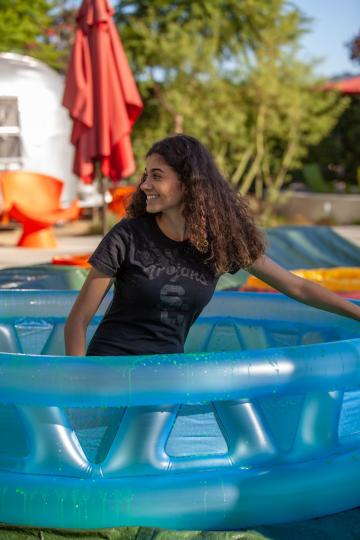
pixel 185 227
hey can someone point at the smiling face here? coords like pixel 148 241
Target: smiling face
pixel 162 187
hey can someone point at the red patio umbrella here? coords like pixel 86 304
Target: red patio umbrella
pixel 346 86
pixel 102 97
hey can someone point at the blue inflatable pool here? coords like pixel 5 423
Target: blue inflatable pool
pixel 257 423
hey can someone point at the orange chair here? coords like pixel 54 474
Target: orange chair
pixel 121 197
pixel 34 200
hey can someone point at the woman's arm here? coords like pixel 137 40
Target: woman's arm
pixel 301 289
pixel 89 299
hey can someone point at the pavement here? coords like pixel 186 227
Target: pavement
pixel 74 239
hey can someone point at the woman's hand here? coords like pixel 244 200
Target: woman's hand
pixel 301 289
pixel 85 307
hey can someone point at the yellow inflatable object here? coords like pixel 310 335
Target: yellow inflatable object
pixel 335 279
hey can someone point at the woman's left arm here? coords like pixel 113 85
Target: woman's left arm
pixel 301 289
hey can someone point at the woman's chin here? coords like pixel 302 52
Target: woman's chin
pixel 152 208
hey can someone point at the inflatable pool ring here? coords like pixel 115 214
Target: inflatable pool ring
pixel 335 279
pixel 43 276
pixel 257 423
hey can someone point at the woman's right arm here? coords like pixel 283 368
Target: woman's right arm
pixel 85 307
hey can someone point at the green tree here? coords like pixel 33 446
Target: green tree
pixel 60 35
pixel 354 48
pixel 338 153
pixel 35 28
pixel 226 71
pixel 176 45
pixel 287 114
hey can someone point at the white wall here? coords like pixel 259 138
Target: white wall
pixel 44 122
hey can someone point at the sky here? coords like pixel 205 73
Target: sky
pixel 334 23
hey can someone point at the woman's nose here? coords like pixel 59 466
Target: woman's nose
pixel 146 184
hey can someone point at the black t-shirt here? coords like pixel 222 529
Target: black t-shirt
pixel 161 286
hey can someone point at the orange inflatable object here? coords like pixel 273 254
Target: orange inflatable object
pixel 4 219
pixel 72 260
pixel 336 279
pixel 34 200
pixel 121 197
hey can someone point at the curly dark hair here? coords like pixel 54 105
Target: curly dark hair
pixel 218 220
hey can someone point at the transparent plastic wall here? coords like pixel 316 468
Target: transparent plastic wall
pixel 258 422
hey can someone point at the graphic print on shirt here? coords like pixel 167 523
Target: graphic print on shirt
pixel 154 263
pixel 171 302
pixel 169 263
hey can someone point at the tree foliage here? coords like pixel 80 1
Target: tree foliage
pixel 60 35
pixel 354 48
pixel 40 28
pixel 227 72
pixel 338 153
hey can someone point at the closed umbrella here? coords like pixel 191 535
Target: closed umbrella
pixel 102 98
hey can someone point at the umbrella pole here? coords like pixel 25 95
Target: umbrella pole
pixel 103 205
pixel 102 190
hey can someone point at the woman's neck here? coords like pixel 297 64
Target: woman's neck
pixel 172 226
